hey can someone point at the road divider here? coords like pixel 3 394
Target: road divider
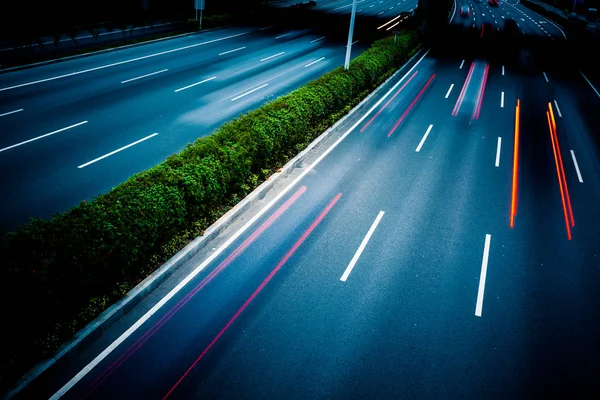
pixel 43 136
pixel 362 246
pixel 118 238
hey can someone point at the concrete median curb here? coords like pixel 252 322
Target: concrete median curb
pixel 93 53
pixel 109 317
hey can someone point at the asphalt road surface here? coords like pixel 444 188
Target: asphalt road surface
pixel 59 120
pixel 446 246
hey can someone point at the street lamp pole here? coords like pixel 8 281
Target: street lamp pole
pixel 350 33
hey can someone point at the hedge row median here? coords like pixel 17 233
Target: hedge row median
pixel 59 274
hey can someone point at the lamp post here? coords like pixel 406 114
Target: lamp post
pixel 350 33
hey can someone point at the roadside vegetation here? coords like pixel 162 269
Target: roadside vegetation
pixel 59 274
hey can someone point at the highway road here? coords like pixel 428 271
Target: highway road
pixel 444 244
pixel 75 129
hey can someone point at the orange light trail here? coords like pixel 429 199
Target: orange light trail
pixel 560 183
pixel 562 167
pixel 515 178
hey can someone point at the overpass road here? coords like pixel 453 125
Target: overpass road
pixel 445 246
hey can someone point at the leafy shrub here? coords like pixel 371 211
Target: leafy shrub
pixel 59 274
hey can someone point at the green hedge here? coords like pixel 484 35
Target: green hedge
pixel 59 274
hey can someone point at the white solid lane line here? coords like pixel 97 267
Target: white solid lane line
pixel 11 112
pixel 248 92
pixel 273 56
pixel 545 76
pixel 461 64
pixel 318 39
pixel 195 84
pixel 557 109
pixel 449 90
pixel 144 76
pixel 116 151
pixel 576 166
pixel 231 51
pixel 484 264
pixel 362 246
pixel 498 149
pixel 43 136
pixel 502 100
pixel 589 83
pixel 188 278
pixel 123 62
pixel 314 62
pixel 423 139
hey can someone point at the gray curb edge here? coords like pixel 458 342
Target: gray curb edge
pixel 93 53
pixel 110 316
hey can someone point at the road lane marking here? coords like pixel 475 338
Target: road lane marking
pixel 144 76
pixel 43 136
pixel 266 27
pixel 251 91
pixel 318 39
pixel 482 277
pixel 284 35
pixel 449 90
pixel 502 100
pixel 576 166
pixel 380 13
pixel 11 112
pixel 424 138
pixel 362 246
pixel 314 62
pixel 125 335
pixel 353 43
pixel 256 292
pixel 195 84
pixel 123 62
pixel 116 151
pixel 557 109
pixel 503 70
pixel 273 56
pixel 231 51
pixel 461 64
pixel 589 83
pixel 498 148
pixel 545 76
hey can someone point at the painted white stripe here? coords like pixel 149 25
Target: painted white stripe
pixel 116 151
pixel 461 64
pixel 576 167
pixel 557 109
pixel 484 264
pixel 361 248
pixel 423 139
pixel 117 342
pixel 314 62
pixel 231 51
pixel 502 100
pixel 590 83
pixel 43 136
pixel 195 84
pixel 11 112
pixel 266 27
pixel 318 39
pixel 123 62
pixel 503 68
pixel 449 90
pixel 498 149
pixel 545 76
pixel 144 76
pixel 273 56
pixel 284 35
pixel 251 91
